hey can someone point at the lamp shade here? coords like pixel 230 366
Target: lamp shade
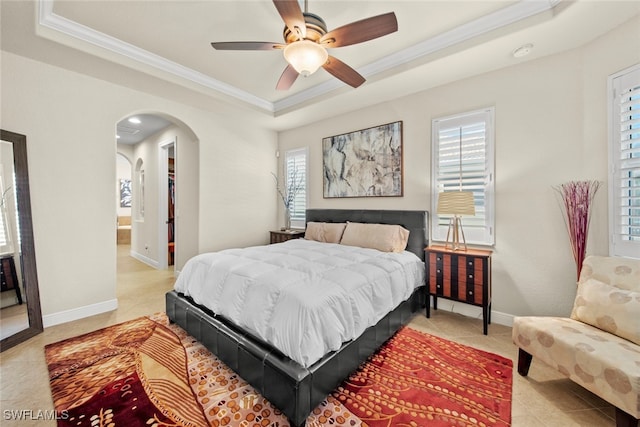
pixel 456 203
pixel 305 56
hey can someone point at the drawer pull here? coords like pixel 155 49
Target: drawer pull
pixel 470 292
pixel 471 276
pixel 438 271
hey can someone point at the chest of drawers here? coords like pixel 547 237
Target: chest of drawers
pixel 9 277
pixel 463 276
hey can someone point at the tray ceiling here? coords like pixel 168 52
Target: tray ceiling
pixel 437 42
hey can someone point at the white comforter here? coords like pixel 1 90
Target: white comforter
pixel 304 297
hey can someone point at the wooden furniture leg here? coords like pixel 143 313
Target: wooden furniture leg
pixel 624 419
pixel 524 362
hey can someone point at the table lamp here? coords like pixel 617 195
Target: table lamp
pixel 456 203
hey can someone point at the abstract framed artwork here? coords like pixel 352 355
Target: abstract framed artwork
pixel 125 193
pixel 364 163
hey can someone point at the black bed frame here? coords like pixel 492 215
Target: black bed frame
pixel 290 387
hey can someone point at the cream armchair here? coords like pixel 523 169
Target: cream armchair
pixel 598 347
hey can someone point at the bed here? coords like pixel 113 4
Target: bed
pixel 296 387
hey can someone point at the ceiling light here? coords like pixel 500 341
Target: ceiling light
pixel 523 50
pixel 305 56
pixel 134 120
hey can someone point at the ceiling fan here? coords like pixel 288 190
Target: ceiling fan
pixel 306 42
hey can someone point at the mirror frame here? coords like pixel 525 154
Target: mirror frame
pixel 28 261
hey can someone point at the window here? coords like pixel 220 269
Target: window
pixel 624 171
pixel 5 244
pixel 7 208
pixel 462 159
pixel 295 163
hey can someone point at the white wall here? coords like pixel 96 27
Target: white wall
pixel 69 120
pixel 144 231
pixel 551 127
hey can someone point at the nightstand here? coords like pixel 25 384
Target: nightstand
pixel 463 276
pixel 9 277
pixel 283 236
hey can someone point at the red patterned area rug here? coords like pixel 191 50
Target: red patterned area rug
pixel 147 372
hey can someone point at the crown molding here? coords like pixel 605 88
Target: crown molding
pixel 485 24
pixel 498 19
pixel 48 19
pixel 501 18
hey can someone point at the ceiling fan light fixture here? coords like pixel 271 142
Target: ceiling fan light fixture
pixel 305 56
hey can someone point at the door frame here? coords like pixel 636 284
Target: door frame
pixel 163 200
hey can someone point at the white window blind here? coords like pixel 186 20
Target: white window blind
pixel 624 188
pixel 6 200
pixel 3 229
pixel 296 177
pixel 462 159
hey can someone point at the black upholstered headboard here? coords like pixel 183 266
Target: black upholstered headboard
pixel 414 221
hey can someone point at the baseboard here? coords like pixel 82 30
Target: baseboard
pixel 150 262
pixel 497 317
pixel 500 318
pixel 79 313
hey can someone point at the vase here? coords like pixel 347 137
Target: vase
pixel 287 220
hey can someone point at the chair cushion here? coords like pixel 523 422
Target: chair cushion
pixel 608 308
pixel 605 364
pixel 623 273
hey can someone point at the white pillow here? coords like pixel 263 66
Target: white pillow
pixel 383 237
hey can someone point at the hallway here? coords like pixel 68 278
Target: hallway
pixel 140 288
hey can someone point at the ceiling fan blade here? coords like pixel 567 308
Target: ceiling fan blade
pixel 246 45
pixel 343 72
pixel 361 31
pixel 287 78
pixel 292 16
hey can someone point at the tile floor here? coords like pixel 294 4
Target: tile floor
pixel 13 319
pixel 544 398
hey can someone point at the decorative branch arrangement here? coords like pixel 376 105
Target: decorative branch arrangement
pixel 4 196
pixel 288 191
pixel 577 197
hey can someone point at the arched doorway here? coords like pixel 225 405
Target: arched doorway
pixel 164 188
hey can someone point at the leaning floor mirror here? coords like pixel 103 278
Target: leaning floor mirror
pixel 20 313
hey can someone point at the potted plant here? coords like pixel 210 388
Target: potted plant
pixel 288 190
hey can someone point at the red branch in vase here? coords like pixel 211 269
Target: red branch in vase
pixel 577 197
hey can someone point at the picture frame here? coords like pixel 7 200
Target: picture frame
pixel 125 193
pixel 364 163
